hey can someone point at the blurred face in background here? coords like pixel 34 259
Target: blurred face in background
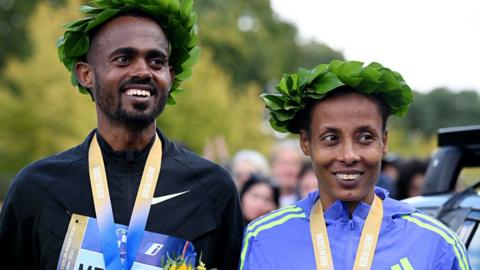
pixel 286 165
pixel 416 185
pixel 257 201
pixel 242 170
pixel 307 183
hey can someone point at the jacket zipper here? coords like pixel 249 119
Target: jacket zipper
pixel 351 249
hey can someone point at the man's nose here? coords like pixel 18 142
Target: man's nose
pixel 141 70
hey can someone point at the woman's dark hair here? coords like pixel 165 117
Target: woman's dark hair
pixel 303 118
pixel 257 179
pixel 407 171
pixel 306 167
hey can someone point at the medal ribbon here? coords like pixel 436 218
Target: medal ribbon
pixel 103 206
pixel 368 239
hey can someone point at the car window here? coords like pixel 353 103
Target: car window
pixel 468 176
pixel 466 230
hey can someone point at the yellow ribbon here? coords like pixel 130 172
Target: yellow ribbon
pixel 103 208
pixel 368 239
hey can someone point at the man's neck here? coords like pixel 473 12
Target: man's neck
pixel 121 137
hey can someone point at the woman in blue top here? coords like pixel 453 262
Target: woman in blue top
pixel 340 111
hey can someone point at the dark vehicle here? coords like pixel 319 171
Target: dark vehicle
pixel 459 150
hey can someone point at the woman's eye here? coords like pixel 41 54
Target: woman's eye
pixel 329 138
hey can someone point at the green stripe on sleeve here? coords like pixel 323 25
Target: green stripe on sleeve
pixel 262 228
pixel 450 233
pixel 274 214
pixel 439 232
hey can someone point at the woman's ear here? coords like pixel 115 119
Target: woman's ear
pixel 305 142
pixel 385 142
pixel 85 75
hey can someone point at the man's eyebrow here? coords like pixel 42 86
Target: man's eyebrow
pixel 157 53
pixel 365 128
pixel 127 50
pixel 131 51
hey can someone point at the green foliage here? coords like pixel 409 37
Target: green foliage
pixel 211 110
pixel 246 38
pixel 14 18
pixel 41 115
pixel 410 143
pixel 296 90
pixel 312 53
pixel 249 40
pixel 175 17
pixel 441 108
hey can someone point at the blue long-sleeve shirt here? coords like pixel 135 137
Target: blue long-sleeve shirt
pixel 408 239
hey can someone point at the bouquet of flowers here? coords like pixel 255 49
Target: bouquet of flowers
pixel 182 263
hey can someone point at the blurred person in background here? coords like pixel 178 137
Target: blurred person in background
pixel 389 174
pixel 411 178
pixel 307 180
pixel 258 197
pixel 246 163
pixel 286 165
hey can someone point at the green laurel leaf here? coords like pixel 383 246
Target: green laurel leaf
pixel 294 91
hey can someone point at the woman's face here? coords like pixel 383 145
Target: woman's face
pixel 257 201
pixel 346 145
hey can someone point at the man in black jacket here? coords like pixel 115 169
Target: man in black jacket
pixel 127 57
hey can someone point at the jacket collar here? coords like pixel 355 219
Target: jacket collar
pixel 338 210
pixel 129 156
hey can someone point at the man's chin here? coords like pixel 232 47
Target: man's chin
pixel 137 120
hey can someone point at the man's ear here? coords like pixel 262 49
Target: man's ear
pixel 305 142
pixel 85 75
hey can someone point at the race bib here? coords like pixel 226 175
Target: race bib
pixel 81 248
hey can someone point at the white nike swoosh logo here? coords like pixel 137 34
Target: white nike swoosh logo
pixel 166 197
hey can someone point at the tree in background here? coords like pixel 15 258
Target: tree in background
pixel 41 112
pixel 208 110
pixel 14 17
pixel 442 108
pixel 247 38
pixel 415 134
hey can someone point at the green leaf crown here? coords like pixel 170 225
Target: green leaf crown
pixel 297 90
pixel 174 16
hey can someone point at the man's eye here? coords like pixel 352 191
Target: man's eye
pixel 365 138
pixel 122 60
pixel 158 62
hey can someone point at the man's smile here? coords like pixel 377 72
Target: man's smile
pixel 137 93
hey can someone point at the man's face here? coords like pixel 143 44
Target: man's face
pixel 131 76
pixel 346 146
pixel 286 165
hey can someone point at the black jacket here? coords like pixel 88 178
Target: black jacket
pixel 45 194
